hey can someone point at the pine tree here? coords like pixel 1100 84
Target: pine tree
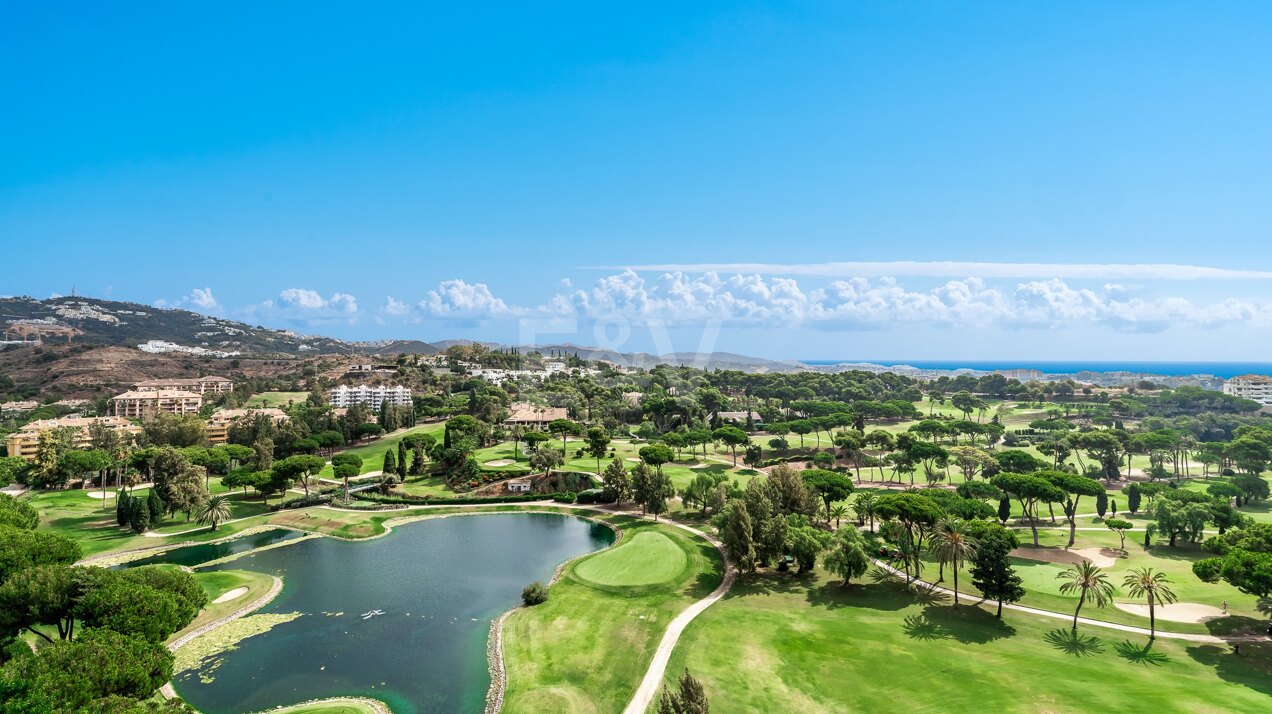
pixel 617 488
pixel 139 516
pixel 1133 498
pixel 690 699
pixel 390 462
pixel 1102 504
pixel 155 507
pixel 122 505
pixel 417 460
pixel 1004 508
pixel 401 459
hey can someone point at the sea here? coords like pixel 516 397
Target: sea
pixel 1218 369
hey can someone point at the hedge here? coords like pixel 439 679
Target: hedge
pixel 302 502
pixel 521 498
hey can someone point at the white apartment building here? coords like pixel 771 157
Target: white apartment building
pixel 345 396
pixel 1250 386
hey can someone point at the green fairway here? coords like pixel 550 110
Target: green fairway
pixel 276 399
pixel 647 558
pixel 806 644
pixel 586 648
pixel 372 453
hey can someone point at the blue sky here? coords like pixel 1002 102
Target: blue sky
pixel 782 179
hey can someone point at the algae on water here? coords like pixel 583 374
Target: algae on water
pixel 206 649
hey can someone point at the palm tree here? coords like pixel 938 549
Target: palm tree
pixel 215 510
pixel 1090 583
pixel 838 512
pixel 953 544
pixel 864 507
pixel 516 433
pixel 1155 586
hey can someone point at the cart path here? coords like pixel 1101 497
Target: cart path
pixel 652 682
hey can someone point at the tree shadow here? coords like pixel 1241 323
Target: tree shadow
pixel 1251 668
pixel 879 596
pixel 968 623
pixel 929 595
pixel 1140 654
pixel 919 627
pixel 1074 643
pixel 1235 625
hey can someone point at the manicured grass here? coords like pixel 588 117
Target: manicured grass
pixel 1176 563
pixel 276 399
pixel 786 643
pixel 217 584
pixel 372 453
pixel 586 648
pixel 79 516
pixel 647 558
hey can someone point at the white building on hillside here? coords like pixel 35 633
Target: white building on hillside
pixel 1250 386
pixel 346 396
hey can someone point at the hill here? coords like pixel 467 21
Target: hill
pixel 82 320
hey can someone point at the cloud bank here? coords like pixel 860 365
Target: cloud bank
pixel 681 299
pixel 958 269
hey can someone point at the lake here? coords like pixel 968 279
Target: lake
pixel 192 555
pixel 439 582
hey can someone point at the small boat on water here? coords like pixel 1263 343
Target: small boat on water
pixel 371 613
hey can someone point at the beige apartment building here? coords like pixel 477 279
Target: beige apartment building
pixel 1250 386
pixel 139 404
pixel 530 415
pixel 26 440
pixel 218 425
pixel 200 385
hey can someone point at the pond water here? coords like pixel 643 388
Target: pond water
pixel 439 583
pixel 192 555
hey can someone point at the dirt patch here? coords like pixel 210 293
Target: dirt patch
pixel 1101 557
pixel 499 462
pixel 234 594
pixel 1059 556
pixel 1175 612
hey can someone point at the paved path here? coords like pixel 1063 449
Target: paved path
pixel 652 683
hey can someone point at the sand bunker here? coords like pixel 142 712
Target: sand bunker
pixel 1100 557
pixel 234 594
pixel 702 465
pixel 1059 556
pixel 630 458
pixel 500 462
pixel 1176 612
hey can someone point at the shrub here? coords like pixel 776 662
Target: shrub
pixel 592 495
pixel 316 499
pixel 567 497
pixel 535 593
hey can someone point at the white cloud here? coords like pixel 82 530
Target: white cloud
pixel 958 269
pixel 303 298
pixel 457 299
pixel 306 299
pixel 199 298
pixel 393 306
pixel 681 299
pixel 202 298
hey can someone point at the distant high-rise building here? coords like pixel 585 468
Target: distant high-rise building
pixel 346 396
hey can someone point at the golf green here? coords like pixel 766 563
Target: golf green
pixel 648 558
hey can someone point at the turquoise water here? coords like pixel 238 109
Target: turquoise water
pixel 440 582
pixel 192 555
